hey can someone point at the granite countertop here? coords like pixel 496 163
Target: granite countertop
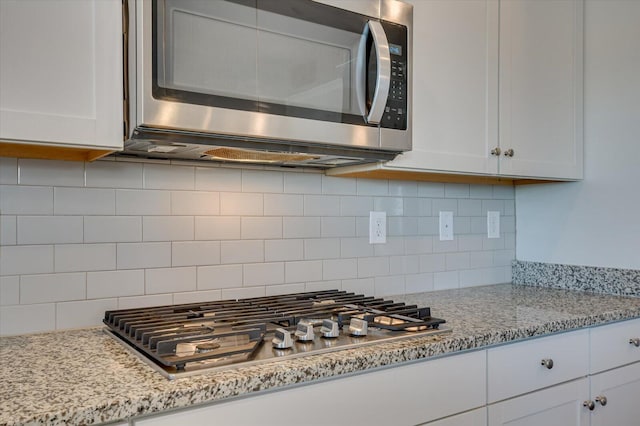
pixel 85 377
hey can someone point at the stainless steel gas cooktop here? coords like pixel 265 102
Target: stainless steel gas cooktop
pixel 179 340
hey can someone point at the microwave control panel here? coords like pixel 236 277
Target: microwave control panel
pixel 395 113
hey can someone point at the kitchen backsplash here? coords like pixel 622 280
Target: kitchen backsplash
pixel 81 238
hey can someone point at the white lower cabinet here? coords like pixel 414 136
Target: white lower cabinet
pixel 476 417
pixel 615 395
pixel 406 395
pixel 560 405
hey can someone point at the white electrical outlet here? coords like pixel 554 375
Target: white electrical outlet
pixel 446 226
pixel 377 227
pixel 493 224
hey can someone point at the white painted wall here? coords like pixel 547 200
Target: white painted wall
pixel 596 222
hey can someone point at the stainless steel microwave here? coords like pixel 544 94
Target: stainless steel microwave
pixel 286 82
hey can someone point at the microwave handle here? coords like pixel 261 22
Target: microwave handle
pixel 383 78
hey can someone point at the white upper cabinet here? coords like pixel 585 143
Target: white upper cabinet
pixel 455 87
pixel 61 73
pixel 541 50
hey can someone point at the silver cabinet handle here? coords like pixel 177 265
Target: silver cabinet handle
pixel 547 362
pixel 509 153
pixel 496 151
pixel 601 399
pixel 589 404
pixel 635 341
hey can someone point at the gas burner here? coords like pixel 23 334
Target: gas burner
pixel 185 339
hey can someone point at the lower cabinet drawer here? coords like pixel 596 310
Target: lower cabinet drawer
pixel 534 364
pixel 471 418
pixel 614 345
pixel 404 395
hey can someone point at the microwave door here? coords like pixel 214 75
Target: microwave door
pixel 373 72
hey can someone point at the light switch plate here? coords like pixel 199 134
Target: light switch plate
pixel 493 224
pixel 446 226
pixel 377 227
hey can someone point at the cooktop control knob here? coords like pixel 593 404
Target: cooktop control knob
pixel 282 339
pixel 329 329
pixel 304 332
pixel 358 327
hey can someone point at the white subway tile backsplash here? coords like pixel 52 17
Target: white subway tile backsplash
pixel 85 257
pixel 283 205
pixel 428 225
pixel 10 290
pixel 262 181
pixel 274 290
pixel 321 205
pixel 446 246
pixel 339 269
pixel 418 283
pixel 253 228
pixel 167 228
pixel 84 201
pixel 401 265
pixel 393 247
pixel 243 293
pixel 355 247
pixel 52 288
pixel 300 227
pixel 493 243
pixel 418 245
pixel 444 205
pixel 432 262
pixel 283 250
pixel 113 174
pixel 472 277
pixel 411 207
pixel 112 229
pixel 161 176
pixel 218 277
pixel 218 179
pixel 446 280
pixel 507 224
pixel 50 173
pixel 16 260
pixel 144 301
pixel 355 206
pixel 430 189
pixel 217 228
pixel 403 188
pixel 480 259
pixel 364 286
pixel 338 227
pixel 197 296
pixel 132 202
pixel 20 319
pixel 255 274
pixel 492 205
pixel 20 200
pixel 8 171
pixel 479 225
pixel 323 285
pixel 372 187
pixel 373 267
pixel 456 190
pixel 503 257
pixel 470 207
pixel 425 207
pixel 50 229
pixel 238 204
pixel 338 186
pixel 8 230
pixel 303 183
pixel 192 253
pixel 309 270
pixel 195 203
pixel 402 226
pixel 249 251
pixel 509 240
pixel 470 242
pixel 456 261
pixel 170 280
pixel 393 206
pixel 107 284
pixel 322 248
pixel 480 191
pixel 462 225
pixel 143 255
pixel 388 286
pixel 504 192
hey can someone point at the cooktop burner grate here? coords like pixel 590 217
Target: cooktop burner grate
pixel 178 338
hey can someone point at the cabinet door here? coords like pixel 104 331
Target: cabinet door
pixel 455 48
pixel 61 72
pixel 559 405
pixel 621 388
pixel 613 345
pixel 472 418
pixel 541 49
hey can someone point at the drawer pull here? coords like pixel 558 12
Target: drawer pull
pixel 547 362
pixel 635 341
pixel 602 400
pixel 589 404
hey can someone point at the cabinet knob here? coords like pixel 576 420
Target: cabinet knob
pixel 589 404
pixel 602 400
pixel 635 341
pixel 509 153
pixel 496 151
pixel 547 363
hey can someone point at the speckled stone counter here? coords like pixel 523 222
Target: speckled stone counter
pixel 85 377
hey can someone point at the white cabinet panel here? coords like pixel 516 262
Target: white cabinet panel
pixel 472 418
pixel 405 395
pixel 556 406
pixel 516 369
pixel 61 72
pixel 621 388
pixel 541 50
pixel 611 347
